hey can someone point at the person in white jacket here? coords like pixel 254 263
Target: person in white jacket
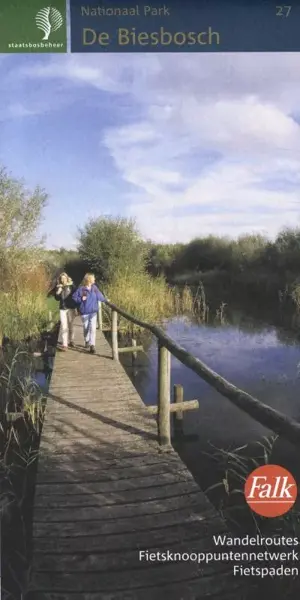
pixel 64 290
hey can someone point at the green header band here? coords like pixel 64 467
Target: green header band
pixel 33 26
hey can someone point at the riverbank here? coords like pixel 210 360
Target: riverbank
pixel 250 264
pixel 18 484
pixel 24 381
pixel 259 287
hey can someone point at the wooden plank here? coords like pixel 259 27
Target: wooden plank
pixel 47 541
pixel 90 414
pixel 120 580
pixel 113 483
pixel 126 349
pixel 102 561
pixel 95 442
pixel 57 446
pixel 76 432
pixel 118 511
pixel 99 450
pixel 143 464
pixel 105 490
pixel 65 478
pixel 179 406
pixel 184 516
pixel 133 496
pixel 186 590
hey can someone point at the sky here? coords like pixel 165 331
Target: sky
pixel 187 144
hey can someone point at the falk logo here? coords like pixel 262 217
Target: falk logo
pixel 270 491
pixel 48 19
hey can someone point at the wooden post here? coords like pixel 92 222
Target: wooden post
pixel 100 317
pixel 164 385
pixel 36 417
pixel 114 335
pixel 178 415
pixel 134 354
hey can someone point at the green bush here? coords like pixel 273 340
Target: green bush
pixel 112 247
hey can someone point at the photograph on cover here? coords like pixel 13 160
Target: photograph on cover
pixel 149 319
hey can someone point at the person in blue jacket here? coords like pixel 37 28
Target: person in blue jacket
pixel 87 297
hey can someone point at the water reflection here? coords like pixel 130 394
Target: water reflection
pixel 260 358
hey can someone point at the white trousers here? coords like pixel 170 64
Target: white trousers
pixel 89 328
pixel 67 319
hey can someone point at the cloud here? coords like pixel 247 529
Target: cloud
pixel 255 140
pixel 208 136
pixel 14 111
pixel 109 73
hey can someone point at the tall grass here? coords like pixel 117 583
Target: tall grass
pixel 22 315
pixel 22 402
pixel 18 389
pixel 143 296
pixel 236 465
pixel 151 300
pixel 53 307
pixel 23 303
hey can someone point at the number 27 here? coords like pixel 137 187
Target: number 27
pixel 283 11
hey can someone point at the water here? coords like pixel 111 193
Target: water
pixel 255 355
pixel 262 359
pixel 42 374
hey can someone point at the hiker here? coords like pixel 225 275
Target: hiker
pixel 67 309
pixel 87 298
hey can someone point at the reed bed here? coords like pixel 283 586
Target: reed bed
pixel 151 300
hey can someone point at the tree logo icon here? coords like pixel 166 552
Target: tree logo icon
pixel 48 19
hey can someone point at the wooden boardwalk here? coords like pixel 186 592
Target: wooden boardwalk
pixel 105 492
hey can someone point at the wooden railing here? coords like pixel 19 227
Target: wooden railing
pixel 267 416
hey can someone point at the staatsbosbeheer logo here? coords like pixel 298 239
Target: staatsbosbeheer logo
pixel 48 19
pixel 33 26
pixel 270 491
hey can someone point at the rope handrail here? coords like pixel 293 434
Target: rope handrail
pixel 267 416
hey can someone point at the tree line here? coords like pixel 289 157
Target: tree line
pixel 252 263
pixel 113 248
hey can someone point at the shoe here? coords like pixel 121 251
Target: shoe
pixel 72 345
pixel 64 348
pixel 87 345
pixel 92 350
